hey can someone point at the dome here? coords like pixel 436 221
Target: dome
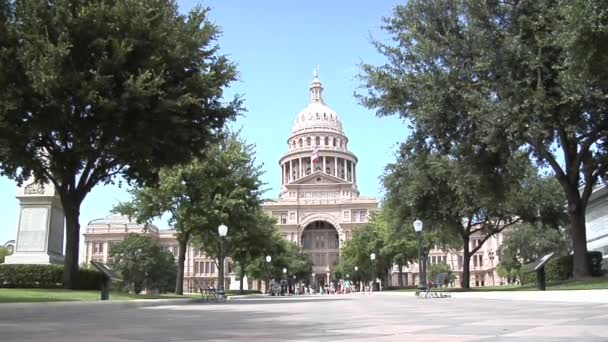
pixel 317 116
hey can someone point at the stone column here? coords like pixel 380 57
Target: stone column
pixel 352 172
pixel 335 166
pixel 301 168
pixel 283 173
pixel 345 169
pixel 290 170
pixel 324 164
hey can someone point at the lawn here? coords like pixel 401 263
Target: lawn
pixel 61 295
pixel 587 284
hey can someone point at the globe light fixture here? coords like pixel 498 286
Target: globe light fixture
pixel 284 271
pixel 222 230
pixel 418 226
pixel 356 268
pixel 372 256
pixel 268 258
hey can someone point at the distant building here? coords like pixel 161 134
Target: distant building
pixel 319 205
pixel 102 234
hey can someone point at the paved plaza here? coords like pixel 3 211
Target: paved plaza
pixel 377 317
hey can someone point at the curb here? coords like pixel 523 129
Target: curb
pixel 120 303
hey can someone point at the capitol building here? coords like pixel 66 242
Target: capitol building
pixel 318 207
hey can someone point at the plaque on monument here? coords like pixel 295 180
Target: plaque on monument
pixel 32 230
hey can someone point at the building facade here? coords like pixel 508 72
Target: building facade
pixel 319 204
pixel 101 234
pixel 596 217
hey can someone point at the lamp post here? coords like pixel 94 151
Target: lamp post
pixel 268 260
pixel 283 288
pixel 222 231
pixel 421 269
pixel 356 270
pixel 491 256
pixel 373 258
pixel 313 279
pixel 294 284
pixel 328 271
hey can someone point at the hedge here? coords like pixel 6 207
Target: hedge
pixel 45 276
pixel 561 268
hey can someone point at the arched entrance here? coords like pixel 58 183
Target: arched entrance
pixel 321 242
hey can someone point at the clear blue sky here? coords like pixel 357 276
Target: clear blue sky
pixel 276 45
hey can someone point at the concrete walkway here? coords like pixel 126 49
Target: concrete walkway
pixel 570 296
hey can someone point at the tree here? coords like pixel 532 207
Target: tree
pixel 143 264
pixel 221 188
pixel 93 90
pixel 490 78
pixel 252 243
pixel 458 199
pixel 441 267
pixel 3 253
pixel 528 242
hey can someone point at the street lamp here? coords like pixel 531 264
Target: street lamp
pixel 268 260
pixel 421 269
pixel 222 231
pixel 284 286
pixel 313 280
pixel 356 270
pixel 373 258
pixel 491 256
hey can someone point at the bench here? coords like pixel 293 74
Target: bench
pixel 435 288
pixel 210 294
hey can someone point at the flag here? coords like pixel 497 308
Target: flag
pixel 315 155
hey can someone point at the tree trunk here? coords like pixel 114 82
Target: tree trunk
pixel 400 275
pixel 72 228
pixel 466 262
pixel 181 258
pixel 582 268
pixel 242 276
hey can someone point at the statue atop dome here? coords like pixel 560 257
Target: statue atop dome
pixel 316 87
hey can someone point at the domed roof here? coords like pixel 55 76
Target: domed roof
pixel 317 115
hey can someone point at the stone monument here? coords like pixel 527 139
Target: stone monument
pixel 40 229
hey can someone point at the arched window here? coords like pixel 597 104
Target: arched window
pixel 326 141
pixel 300 142
pixel 325 116
pixel 308 141
pixel 317 141
pixel 334 140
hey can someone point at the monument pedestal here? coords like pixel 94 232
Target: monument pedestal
pixel 41 222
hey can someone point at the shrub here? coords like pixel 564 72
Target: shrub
pixel 44 276
pixel 561 268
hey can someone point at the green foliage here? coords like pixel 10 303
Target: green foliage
pixel 526 243
pixel 458 198
pixel 381 236
pixel 284 254
pixel 561 268
pixel 221 188
pixel 143 264
pixel 441 267
pixel 96 89
pixel 481 81
pixel 44 276
pixel 3 253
